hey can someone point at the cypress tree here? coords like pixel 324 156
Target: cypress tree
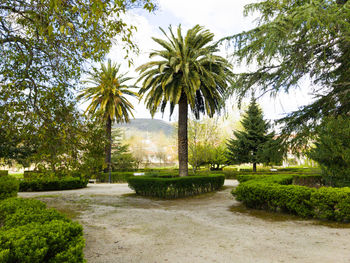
pixel 253 144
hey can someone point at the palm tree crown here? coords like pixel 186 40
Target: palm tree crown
pixel 107 93
pixel 188 66
pixel 187 73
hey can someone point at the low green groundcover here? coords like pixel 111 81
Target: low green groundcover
pixel 277 193
pixel 175 187
pixel 30 233
pixel 50 184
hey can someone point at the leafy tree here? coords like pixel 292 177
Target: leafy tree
pixel 332 150
pixel 295 39
pixel 253 144
pixel 108 100
pixel 56 139
pixel 45 46
pixel 217 157
pixel 122 159
pixel 187 74
pixel 93 142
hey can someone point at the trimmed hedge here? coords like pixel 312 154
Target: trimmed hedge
pixel 175 187
pixel 4 172
pixel 116 177
pixel 34 175
pixel 47 184
pixel 310 180
pixel 32 233
pixel 277 193
pixel 8 187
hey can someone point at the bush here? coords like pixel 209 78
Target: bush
pixel 309 180
pixel 47 184
pixel 4 172
pixel 332 203
pixel 275 178
pixel 8 187
pixel 175 187
pixel 34 175
pixel 277 194
pixel 32 233
pixel 116 177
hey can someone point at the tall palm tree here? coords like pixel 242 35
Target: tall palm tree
pixel 108 101
pixel 187 73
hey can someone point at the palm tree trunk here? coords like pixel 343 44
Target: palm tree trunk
pixel 182 136
pixel 108 149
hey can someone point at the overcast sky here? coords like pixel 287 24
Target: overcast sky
pixel 223 18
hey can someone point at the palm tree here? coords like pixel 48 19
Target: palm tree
pixel 188 73
pixel 108 101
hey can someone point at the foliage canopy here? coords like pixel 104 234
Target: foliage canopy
pixel 296 39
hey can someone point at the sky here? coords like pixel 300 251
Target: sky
pixel 221 17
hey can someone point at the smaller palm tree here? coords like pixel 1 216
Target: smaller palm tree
pixel 108 101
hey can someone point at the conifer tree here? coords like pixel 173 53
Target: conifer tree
pixel 253 144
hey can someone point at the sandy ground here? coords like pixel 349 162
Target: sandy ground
pixel 122 227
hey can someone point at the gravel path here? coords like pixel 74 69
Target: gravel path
pixel 122 227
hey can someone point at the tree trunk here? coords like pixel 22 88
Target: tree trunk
pixel 182 136
pixel 108 149
pixel 254 167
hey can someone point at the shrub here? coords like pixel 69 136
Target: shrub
pixel 116 177
pixel 34 175
pixel 275 178
pixel 175 187
pixel 332 203
pixel 4 172
pixel 276 193
pixel 309 180
pixel 47 184
pixel 272 196
pixel 8 187
pixel 32 233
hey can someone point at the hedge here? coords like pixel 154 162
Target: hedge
pixel 4 172
pixel 8 187
pixel 277 193
pixel 175 187
pixel 47 184
pixel 122 177
pixel 116 177
pixel 32 233
pixel 34 175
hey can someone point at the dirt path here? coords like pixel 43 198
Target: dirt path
pixel 122 227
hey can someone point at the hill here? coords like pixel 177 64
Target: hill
pixel 148 125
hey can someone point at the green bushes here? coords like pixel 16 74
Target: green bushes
pixel 47 184
pixel 32 233
pixel 277 194
pixel 309 180
pixel 116 177
pixel 34 175
pixel 332 203
pixel 8 187
pixel 4 172
pixel 175 187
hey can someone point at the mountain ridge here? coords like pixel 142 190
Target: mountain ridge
pixel 147 125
